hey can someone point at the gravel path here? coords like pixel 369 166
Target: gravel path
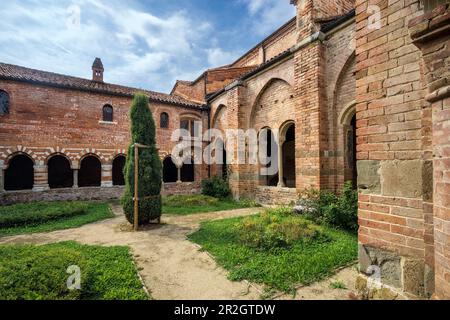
pixel 171 266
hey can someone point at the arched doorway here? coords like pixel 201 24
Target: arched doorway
pixel 188 171
pixel 60 174
pixel 117 169
pixel 170 171
pixel 268 157
pixel 90 174
pixel 20 173
pixel 288 155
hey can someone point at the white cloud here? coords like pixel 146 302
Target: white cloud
pixel 218 57
pixel 136 46
pixel 268 15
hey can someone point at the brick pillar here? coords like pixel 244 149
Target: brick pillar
pixel 40 177
pixel 430 32
pixel 107 176
pixel 280 162
pixel 308 143
pixel 242 176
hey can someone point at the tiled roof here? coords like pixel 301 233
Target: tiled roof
pixel 17 73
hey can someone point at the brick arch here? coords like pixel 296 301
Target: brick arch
pixel 221 109
pixel 193 115
pixel 12 152
pixel 62 154
pixel 104 159
pixel 11 155
pixel 347 67
pixel 277 89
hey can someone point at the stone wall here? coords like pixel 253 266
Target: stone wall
pixel 275 195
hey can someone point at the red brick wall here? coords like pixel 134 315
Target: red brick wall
pixel 46 120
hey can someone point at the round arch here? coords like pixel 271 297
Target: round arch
pixel 260 94
pixel 170 170
pixel 59 170
pixel 19 173
pixel 118 166
pixel 90 173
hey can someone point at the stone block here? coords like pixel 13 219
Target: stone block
pixel 413 276
pixel 402 178
pixel 369 177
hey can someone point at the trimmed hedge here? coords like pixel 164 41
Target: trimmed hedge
pixel 29 272
pixel 39 212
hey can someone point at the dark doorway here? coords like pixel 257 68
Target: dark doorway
pixel 270 152
pixel 225 165
pixel 20 173
pixel 90 174
pixel 60 174
pixel 289 157
pixel 188 172
pixel 170 171
pixel 351 142
pixel 118 174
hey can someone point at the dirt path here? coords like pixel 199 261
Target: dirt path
pixel 171 266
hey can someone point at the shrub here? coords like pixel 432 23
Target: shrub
pixel 143 132
pixel 338 211
pixel 275 228
pixel 216 187
pixel 39 212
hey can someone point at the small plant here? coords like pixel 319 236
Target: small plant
pixel 216 187
pixel 325 207
pixel 275 228
pixel 338 285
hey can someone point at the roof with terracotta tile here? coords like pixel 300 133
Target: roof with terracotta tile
pixel 18 73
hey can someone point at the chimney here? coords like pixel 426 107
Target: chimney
pixel 97 70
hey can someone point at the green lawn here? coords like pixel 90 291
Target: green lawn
pixel 50 216
pixel 191 204
pixel 279 268
pixel 40 273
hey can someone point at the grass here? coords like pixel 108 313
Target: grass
pixel 29 272
pixel 338 285
pixel 302 263
pixel 91 212
pixel 192 204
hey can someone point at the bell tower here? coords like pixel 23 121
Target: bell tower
pixel 97 70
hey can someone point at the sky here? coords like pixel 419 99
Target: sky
pixel 144 44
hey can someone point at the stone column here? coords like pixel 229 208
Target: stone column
pixel 179 174
pixel 280 163
pixel 2 177
pixel 75 178
pixel 40 177
pixel 107 176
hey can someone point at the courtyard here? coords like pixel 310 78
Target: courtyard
pixel 172 267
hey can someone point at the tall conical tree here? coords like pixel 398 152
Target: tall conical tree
pixel 143 132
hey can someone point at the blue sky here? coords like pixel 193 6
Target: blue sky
pixel 146 44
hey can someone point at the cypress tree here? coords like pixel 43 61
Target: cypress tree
pixel 143 132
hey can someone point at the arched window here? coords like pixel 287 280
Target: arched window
pixel 288 156
pixel 164 120
pixel 108 113
pixel 170 171
pixel 268 153
pixel 118 165
pixel 90 174
pixel 60 174
pixel 4 102
pixel 20 173
pixel 192 126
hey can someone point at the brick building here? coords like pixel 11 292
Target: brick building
pixel 352 91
